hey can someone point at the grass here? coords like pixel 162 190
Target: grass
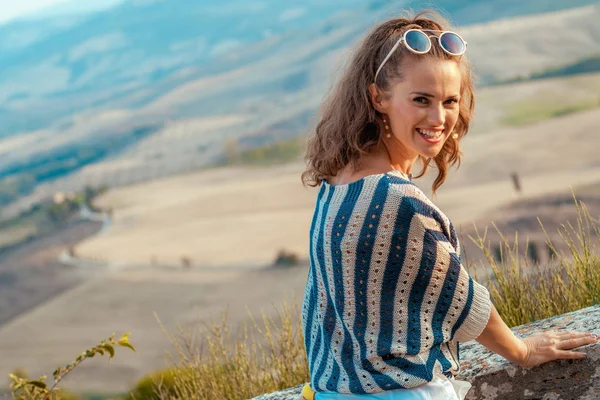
pixel 524 293
pixel 529 111
pixel 265 357
pixel 280 152
pixel 269 354
pixel 248 366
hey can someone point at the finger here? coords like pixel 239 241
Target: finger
pixel 575 335
pixel 572 334
pixel 575 342
pixel 570 354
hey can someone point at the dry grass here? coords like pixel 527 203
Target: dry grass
pixel 273 357
pixel 267 356
pixel 524 292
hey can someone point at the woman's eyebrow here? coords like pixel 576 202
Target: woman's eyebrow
pixel 432 96
pixel 423 94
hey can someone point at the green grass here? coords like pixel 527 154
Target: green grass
pixel 280 152
pixel 539 109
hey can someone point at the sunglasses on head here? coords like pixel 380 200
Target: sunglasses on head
pixel 418 42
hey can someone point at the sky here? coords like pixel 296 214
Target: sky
pixel 13 9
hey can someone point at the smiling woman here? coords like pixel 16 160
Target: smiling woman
pixel 387 300
pixel 419 107
pixel 422 110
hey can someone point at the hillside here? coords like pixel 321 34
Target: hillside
pixel 113 87
pixel 196 215
pixel 171 215
pixel 224 223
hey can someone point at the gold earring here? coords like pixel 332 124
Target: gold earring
pixel 387 128
pixel 455 136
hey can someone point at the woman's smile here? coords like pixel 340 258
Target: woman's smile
pixel 422 109
pixel 433 136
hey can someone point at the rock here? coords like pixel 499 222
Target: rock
pixel 493 377
pixel 288 394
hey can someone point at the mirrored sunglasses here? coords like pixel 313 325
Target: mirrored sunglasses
pixel 418 42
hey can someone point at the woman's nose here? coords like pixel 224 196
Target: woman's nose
pixel 437 115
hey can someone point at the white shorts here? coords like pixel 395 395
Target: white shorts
pixel 440 388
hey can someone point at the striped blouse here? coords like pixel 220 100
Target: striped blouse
pixel 387 299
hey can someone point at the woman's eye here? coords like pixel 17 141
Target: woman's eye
pixel 420 100
pixel 451 101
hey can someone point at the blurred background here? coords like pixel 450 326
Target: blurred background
pixel 151 152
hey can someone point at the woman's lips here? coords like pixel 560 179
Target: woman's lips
pixel 429 137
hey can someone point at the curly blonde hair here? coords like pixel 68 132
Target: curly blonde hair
pixel 350 125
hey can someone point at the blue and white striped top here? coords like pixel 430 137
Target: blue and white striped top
pixel 387 299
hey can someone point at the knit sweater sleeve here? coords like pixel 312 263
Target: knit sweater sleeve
pixel 463 305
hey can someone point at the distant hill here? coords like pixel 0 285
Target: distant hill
pixel 141 79
pixel 69 63
pixel 584 66
pixel 66 64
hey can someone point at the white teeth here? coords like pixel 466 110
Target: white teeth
pixel 430 134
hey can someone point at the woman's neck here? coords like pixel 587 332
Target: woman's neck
pixel 376 161
pixel 395 159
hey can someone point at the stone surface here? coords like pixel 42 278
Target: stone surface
pixel 493 377
pixel 288 394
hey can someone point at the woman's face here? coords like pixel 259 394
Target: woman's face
pixel 423 107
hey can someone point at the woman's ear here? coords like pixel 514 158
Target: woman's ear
pixel 376 98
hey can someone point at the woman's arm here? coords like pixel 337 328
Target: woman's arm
pixel 471 312
pixel 498 337
pixel 534 350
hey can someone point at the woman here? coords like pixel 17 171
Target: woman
pixel 387 300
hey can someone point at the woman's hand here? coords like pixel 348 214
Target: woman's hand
pixel 536 349
pixel 553 345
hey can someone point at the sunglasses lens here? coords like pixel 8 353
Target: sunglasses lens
pixel 417 41
pixel 452 43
